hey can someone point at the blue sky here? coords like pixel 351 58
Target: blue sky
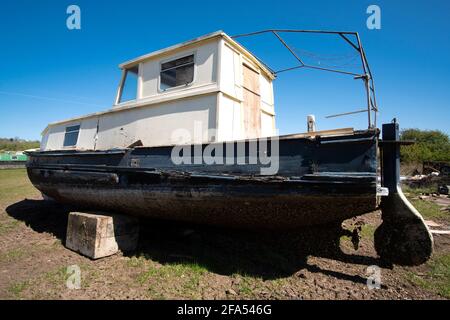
pixel 50 73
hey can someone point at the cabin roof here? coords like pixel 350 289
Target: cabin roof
pixel 216 34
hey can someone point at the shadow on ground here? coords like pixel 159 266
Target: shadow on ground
pixel 269 255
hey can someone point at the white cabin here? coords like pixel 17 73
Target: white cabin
pixel 209 89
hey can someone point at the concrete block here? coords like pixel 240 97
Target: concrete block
pixel 101 234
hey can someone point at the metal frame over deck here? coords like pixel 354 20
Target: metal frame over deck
pixel 366 76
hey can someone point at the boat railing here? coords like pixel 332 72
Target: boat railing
pixel 351 38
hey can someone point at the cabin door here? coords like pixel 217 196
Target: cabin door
pixel 252 103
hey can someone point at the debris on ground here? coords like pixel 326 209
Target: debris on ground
pixel 443 189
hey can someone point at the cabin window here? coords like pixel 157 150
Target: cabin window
pixel 177 72
pixel 71 136
pixel 129 85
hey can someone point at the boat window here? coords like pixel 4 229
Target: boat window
pixel 71 136
pixel 129 86
pixel 177 72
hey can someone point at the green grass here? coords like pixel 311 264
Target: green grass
pixel 245 287
pixel 249 287
pixel 12 255
pixel 15 185
pixel 155 294
pixel 50 284
pixel 46 285
pixel 368 231
pixel 7 225
pixel 414 192
pixel 17 288
pixel 429 210
pixel 57 276
pixel 437 279
pixel 180 279
pixel 136 262
pixel 178 270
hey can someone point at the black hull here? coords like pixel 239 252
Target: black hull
pixel 319 181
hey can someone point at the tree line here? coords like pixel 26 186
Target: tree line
pixel 16 144
pixel 430 145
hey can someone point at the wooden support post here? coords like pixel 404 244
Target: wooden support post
pixel 101 234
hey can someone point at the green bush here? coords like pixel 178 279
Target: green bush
pixel 431 145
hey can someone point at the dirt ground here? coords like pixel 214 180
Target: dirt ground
pixel 176 260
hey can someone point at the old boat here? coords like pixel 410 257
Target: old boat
pixel 191 137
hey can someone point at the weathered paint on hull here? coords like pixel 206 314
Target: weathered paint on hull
pixel 231 206
pixel 318 182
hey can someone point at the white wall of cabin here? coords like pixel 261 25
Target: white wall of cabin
pixel 154 125
pixel 53 139
pixel 205 70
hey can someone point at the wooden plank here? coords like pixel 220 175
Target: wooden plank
pixel 251 80
pixel 323 133
pixel 252 114
pixel 252 103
